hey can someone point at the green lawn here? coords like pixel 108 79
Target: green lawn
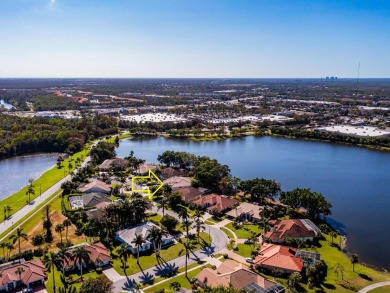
pixel 245 250
pixel 362 277
pixel 48 179
pixel 228 233
pixel 181 279
pixel 244 232
pixel 149 260
pixel 75 275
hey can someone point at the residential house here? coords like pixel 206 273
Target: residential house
pixel 32 274
pixel 96 186
pixel 246 212
pixel 215 202
pixel 99 256
pixel 189 194
pixel 172 172
pixel 128 235
pixel 99 212
pixel 112 163
pixel 231 273
pixel 88 200
pixel 302 229
pixel 278 257
pixel 144 168
pixel 178 182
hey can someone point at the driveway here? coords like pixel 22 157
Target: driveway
pixel 373 286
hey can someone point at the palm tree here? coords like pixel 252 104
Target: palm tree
pixel 198 214
pixel 19 271
pixel 30 190
pixel 51 261
pixel 67 223
pixel 139 240
pixel 354 260
pixel 155 235
pixel 59 228
pixel 17 237
pixel 188 246
pixel 80 255
pixel 10 247
pixel 123 253
pixel 333 235
pixel 7 210
pixel 187 225
pixel 199 225
pixel 64 255
pixel 164 204
pixel 183 213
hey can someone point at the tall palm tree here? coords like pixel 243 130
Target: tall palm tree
pixel 19 271
pixel 199 225
pixel 7 210
pixel 354 260
pixel 123 253
pixel 153 235
pixel 64 255
pixel 139 240
pixel 51 261
pixel 183 213
pixel 198 214
pixel 17 237
pixel 59 229
pixel 30 190
pixel 188 246
pixel 164 204
pixel 187 225
pixel 80 255
pixel 67 223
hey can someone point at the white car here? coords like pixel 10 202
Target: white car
pixel 250 260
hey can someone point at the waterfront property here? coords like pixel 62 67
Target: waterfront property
pixel 32 274
pixel 95 186
pixel 215 202
pixel 172 172
pixel 278 257
pixel 144 168
pixel 300 229
pixel 112 163
pixel 190 194
pixel 367 131
pixel 246 212
pixel 231 273
pixel 178 182
pixel 128 235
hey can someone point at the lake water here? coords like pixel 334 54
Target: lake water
pixel 15 172
pixel 6 105
pixel 355 180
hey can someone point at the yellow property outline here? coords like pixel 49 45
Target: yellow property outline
pixel 147 191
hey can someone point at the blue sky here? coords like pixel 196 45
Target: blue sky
pixel 198 38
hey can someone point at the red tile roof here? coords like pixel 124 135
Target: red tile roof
pixel 189 194
pixel 98 251
pixel 215 201
pixel 232 273
pixel 33 271
pixel 280 257
pixel 290 229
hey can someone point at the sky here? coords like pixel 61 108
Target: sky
pixel 195 39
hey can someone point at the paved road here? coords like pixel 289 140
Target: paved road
pixel 373 286
pixel 220 241
pixel 35 203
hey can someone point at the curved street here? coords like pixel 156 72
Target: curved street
pixel 374 286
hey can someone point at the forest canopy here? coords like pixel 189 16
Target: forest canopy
pixel 20 135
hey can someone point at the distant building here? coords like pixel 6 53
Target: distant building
pixel 33 274
pixel 190 194
pixel 172 172
pixel 128 235
pixel 302 229
pixel 88 200
pixel 231 273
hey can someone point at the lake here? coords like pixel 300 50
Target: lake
pixel 15 172
pixel 355 180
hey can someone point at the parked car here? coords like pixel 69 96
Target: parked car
pixel 248 241
pixel 250 260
